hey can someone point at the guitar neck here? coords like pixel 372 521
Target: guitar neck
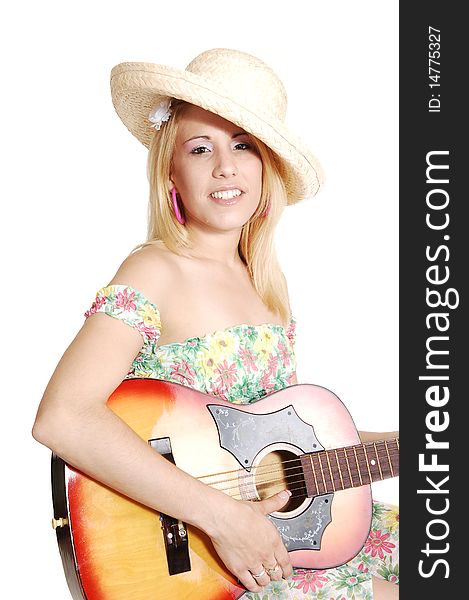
pixel 329 471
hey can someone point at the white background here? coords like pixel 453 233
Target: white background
pixel 74 196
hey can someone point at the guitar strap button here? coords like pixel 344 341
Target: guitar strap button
pixel 60 522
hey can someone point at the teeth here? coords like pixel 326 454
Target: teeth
pixel 226 195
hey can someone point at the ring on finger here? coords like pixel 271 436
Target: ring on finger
pixel 259 575
pixel 273 569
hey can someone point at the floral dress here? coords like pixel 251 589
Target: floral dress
pixel 242 364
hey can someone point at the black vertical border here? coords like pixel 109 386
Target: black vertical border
pixel 421 132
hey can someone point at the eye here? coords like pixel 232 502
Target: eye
pixel 243 146
pixel 200 150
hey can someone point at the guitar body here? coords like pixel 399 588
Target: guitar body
pixel 114 549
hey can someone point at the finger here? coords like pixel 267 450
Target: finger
pixel 249 582
pixel 260 575
pixel 274 503
pixel 283 560
pixel 274 571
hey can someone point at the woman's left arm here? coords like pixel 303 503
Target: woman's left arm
pixel 374 436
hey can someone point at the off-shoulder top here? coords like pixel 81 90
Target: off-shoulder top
pixel 240 364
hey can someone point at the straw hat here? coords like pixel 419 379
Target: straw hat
pixel 232 84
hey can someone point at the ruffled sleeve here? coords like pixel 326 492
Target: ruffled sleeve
pixel 131 306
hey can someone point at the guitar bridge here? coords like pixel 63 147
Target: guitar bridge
pixel 175 534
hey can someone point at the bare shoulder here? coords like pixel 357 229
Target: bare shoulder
pixel 152 270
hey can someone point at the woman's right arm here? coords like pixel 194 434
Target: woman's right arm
pixel 74 421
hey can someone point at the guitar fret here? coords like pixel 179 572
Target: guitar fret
pixel 317 469
pixel 367 463
pixel 339 469
pixel 330 471
pixel 344 470
pixel 322 472
pixel 373 464
pixel 314 473
pixel 384 460
pixel 348 467
pixel 363 465
pixel 358 465
pixel 370 467
pixel 378 461
pixel 390 449
pixel 394 447
pixel 395 457
pixel 389 459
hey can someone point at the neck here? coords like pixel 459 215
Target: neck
pixel 221 247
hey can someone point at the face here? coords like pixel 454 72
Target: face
pixel 216 170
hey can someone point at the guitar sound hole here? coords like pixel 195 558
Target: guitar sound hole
pixel 279 470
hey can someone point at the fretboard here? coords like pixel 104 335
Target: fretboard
pixel 342 468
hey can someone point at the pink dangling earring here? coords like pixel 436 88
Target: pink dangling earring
pixel 177 212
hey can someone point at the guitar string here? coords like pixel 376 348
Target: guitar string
pixel 258 471
pixel 326 483
pixel 329 479
pixel 261 484
pixel 392 453
pixel 302 487
pixel 249 476
pixel 291 489
pixel 294 496
pixel 303 494
pixel 242 474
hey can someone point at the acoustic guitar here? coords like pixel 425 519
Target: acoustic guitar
pixel 301 438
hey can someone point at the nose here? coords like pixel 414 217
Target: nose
pixel 225 164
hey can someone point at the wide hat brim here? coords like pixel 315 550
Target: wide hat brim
pixel 137 87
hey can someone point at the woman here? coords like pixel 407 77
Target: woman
pixel 216 193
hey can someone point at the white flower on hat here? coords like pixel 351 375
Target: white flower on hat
pixel 160 113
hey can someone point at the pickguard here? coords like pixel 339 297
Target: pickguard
pixel 244 435
pixel 304 532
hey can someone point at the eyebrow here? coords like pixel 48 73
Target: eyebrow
pixel 207 137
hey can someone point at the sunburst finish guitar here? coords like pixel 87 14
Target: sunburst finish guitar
pixel 301 438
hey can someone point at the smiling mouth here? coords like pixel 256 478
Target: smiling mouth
pixel 226 194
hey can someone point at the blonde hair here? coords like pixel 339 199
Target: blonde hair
pixel 256 244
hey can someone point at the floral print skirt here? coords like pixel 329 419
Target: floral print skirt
pixel 379 557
